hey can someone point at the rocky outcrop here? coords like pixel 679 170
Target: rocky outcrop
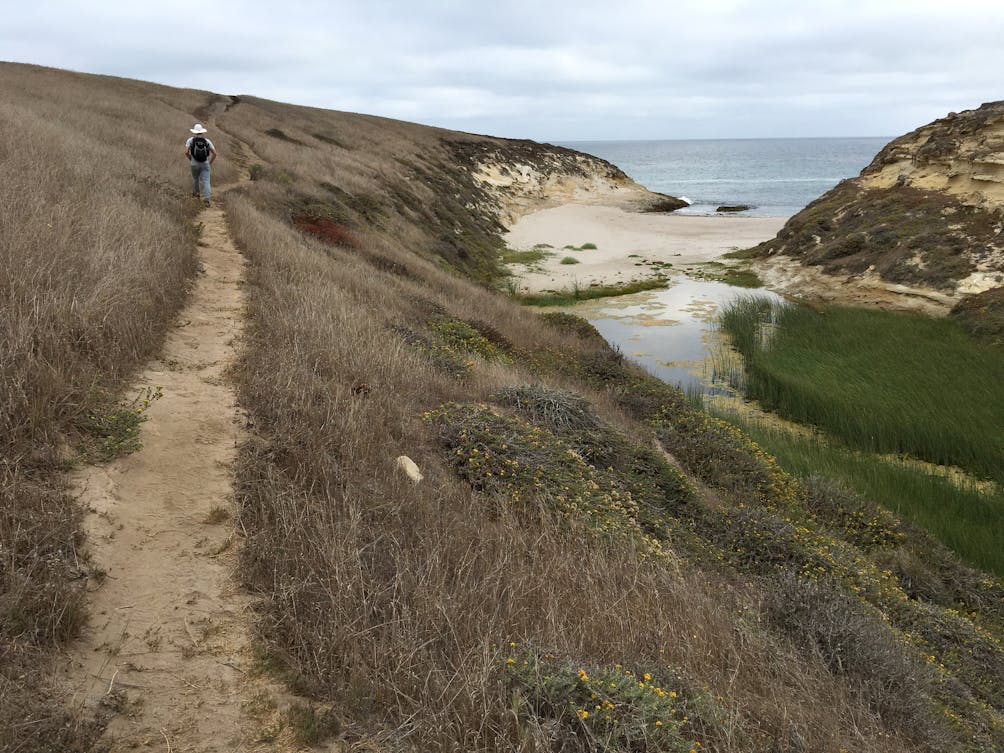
pixel 926 214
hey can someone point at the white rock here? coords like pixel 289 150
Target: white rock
pixel 407 465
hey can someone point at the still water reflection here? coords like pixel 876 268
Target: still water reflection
pixel 671 331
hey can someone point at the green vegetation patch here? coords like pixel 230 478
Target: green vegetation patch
pixel 452 344
pixel 458 335
pixel 311 726
pixel 531 258
pixel 741 253
pixel 719 453
pixel 577 294
pixel 573 324
pixel 327 139
pixel 590 475
pixel 881 381
pixel 276 133
pixel 735 276
pixel 569 260
pixel 609 708
pixel 112 429
pixel 962 517
pixel 583 247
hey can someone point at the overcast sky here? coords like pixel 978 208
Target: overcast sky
pixel 551 70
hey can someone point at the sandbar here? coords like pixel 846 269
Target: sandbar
pixel 626 243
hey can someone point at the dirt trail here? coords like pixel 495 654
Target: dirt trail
pixel 168 646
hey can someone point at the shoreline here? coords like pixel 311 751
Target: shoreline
pixel 612 246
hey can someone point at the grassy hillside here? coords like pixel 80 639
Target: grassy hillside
pixel 589 563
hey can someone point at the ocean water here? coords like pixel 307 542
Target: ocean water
pixel 776 177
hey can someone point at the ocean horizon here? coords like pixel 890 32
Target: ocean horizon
pixel 775 177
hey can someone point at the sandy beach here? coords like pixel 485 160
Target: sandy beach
pixel 626 243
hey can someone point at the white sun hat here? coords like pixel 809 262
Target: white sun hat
pixel 198 129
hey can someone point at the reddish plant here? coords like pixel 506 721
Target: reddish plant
pixel 327 230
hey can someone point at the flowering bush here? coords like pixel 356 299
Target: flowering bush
pixel 608 708
pixel 519 463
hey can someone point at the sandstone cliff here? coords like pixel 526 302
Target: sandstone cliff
pixel 517 177
pixel 925 217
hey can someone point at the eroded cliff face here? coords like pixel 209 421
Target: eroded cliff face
pixel 518 177
pixel 925 218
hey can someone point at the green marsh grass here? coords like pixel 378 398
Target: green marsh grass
pixel 881 381
pixel 960 515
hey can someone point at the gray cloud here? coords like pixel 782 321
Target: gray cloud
pixel 557 70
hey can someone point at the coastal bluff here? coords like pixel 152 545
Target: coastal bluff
pixel 923 222
pixel 517 177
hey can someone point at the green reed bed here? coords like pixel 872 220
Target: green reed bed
pixel 881 381
pixel 960 515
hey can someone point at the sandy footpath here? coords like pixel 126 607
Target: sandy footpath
pixel 625 241
pixel 167 655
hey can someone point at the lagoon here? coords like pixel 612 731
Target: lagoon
pixel 672 332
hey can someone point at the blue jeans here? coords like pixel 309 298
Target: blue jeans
pixel 200 176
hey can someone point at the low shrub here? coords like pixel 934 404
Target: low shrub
pixel 855 519
pixel 855 643
pixel 519 464
pixel 605 708
pixel 556 409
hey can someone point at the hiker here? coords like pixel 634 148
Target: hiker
pixel 201 152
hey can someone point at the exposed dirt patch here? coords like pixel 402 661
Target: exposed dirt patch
pixel 808 283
